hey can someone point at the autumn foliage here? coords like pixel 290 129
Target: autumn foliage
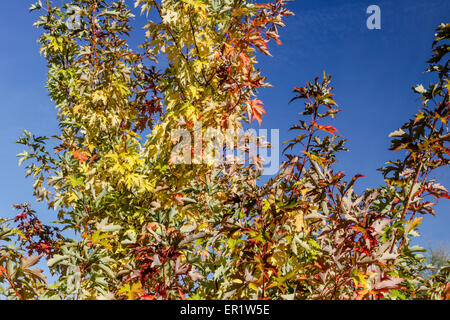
pixel 133 224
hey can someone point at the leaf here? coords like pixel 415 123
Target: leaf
pixel 195 275
pixel 188 228
pixel 30 261
pixel 56 259
pixel 99 96
pixel 132 291
pixel 288 296
pixel 248 276
pixel 420 89
pixel 329 129
pixel 81 156
pixel 256 110
pixel 392 283
pixel 180 268
pixel 300 224
pixel 9 268
pixel 156 262
pixel 102 239
pixel 413 224
pixel 104 226
pixel 38 273
pixel 108 270
pixel 76 181
pixel 397 133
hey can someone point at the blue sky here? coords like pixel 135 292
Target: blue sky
pixel 373 72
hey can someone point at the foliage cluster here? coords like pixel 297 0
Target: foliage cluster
pixel 143 227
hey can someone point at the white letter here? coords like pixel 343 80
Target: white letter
pixel 226 309
pixel 374 21
pixel 274 159
pixel 213 153
pixel 198 143
pixel 266 309
pixel 184 145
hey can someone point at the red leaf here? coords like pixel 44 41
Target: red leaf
pixel 445 195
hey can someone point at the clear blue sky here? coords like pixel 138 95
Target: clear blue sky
pixel 373 74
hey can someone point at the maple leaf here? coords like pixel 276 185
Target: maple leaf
pixel 256 110
pixel 81 156
pixel 134 291
pixel 245 60
pixel 328 128
pixel 261 45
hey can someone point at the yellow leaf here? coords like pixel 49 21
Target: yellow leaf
pixel 133 291
pixel 304 191
pixel 253 286
pixel 414 223
pixel 98 96
pixel 300 224
pixel 76 108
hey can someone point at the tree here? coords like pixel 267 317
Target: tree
pixel 149 226
pixel 438 255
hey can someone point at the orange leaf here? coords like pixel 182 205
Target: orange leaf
pixel 329 129
pixel 257 110
pixel 182 296
pixel 245 60
pixel 81 156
